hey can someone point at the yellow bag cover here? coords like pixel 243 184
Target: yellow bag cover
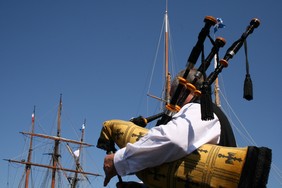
pixel 208 166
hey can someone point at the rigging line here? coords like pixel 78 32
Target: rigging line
pixel 8 175
pixel 142 96
pixel 46 115
pixel 222 85
pixel 24 148
pixel 91 159
pixel 155 58
pixel 21 155
pixel 31 178
pixel 62 171
pixel 275 168
pixel 248 134
pixel 229 112
pixel 154 64
pixel 246 139
pixel 72 124
pixel 39 125
pixel 278 172
pixel 22 180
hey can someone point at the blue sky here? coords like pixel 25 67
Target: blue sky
pixel 99 55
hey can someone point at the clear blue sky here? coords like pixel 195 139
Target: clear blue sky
pixel 99 54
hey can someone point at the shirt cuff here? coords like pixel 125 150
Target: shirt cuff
pixel 119 162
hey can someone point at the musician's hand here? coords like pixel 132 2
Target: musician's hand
pixel 109 168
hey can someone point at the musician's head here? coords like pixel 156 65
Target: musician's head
pixel 189 79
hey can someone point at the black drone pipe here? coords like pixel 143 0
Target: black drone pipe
pixel 219 43
pixel 232 50
pixel 193 57
pixel 190 87
pixel 195 53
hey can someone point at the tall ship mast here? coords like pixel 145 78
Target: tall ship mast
pixel 55 166
pixel 167 74
pixel 166 64
pixel 28 166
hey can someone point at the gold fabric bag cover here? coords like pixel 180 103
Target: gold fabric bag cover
pixel 208 166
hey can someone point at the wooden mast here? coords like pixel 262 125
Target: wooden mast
pixel 28 166
pixel 165 97
pixel 77 158
pixel 216 83
pixel 55 155
pixel 167 74
pixel 216 86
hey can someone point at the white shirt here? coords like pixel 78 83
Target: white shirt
pixel 165 143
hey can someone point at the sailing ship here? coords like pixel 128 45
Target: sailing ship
pixel 56 174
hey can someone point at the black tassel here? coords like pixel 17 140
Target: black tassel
pixel 248 88
pixel 206 103
pixel 248 85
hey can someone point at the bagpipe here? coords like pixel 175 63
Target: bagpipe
pixel 209 165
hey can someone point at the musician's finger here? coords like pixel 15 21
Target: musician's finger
pixel 106 180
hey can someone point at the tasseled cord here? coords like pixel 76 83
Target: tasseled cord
pixel 206 98
pixel 206 102
pixel 248 86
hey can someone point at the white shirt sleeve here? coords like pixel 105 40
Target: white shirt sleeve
pixel 165 143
